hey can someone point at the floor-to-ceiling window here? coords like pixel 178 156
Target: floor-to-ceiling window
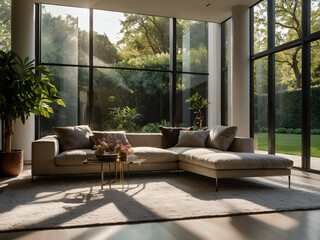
pixel 114 70
pixel 285 61
pixel 224 71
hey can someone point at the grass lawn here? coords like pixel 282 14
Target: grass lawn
pixel 289 143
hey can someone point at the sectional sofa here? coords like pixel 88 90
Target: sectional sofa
pixel 238 161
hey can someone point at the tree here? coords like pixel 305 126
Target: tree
pixel 5 25
pixel 144 35
pixel 288 14
pixel 288 28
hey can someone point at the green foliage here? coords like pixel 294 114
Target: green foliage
pixel 5 25
pixel 197 104
pixel 288 109
pixel 315 131
pixel 144 35
pixel 103 49
pixel 154 127
pixel 125 118
pixel 22 90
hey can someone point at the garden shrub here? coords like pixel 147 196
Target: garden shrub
pixel 288 109
pixel 297 131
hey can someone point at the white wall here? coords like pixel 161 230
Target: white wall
pixel 23 43
pixel 241 70
pixel 214 68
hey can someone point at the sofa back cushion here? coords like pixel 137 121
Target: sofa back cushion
pixel 221 137
pixel 145 139
pixel 110 136
pixel 73 137
pixel 170 135
pixel 192 138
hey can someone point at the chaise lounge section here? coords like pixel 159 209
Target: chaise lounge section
pixel 238 161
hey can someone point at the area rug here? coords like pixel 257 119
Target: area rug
pixel 74 201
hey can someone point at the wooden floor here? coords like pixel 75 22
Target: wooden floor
pixel 294 225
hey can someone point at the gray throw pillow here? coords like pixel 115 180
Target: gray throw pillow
pixel 221 137
pixel 192 138
pixel 73 137
pixel 110 136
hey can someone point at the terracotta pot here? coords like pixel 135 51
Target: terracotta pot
pixel 11 164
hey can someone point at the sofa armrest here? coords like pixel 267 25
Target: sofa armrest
pixel 44 151
pixel 242 144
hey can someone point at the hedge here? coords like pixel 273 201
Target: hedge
pixel 288 109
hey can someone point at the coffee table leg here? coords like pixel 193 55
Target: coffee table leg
pixel 128 171
pixel 121 175
pixel 116 170
pixel 101 175
pixel 109 176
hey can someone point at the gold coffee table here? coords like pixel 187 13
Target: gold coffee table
pixel 109 161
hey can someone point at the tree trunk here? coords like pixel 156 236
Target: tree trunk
pixel 8 134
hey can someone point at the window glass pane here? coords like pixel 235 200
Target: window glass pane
pixel 72 84
pixel 144 91
pixel 130 40
pixel 225 102
pixel 187 85
pixel 5 25
pixel 226 25
pixel 315 16
pixel 261 104
pixel 287 21
pixel 192 46
pixel 288 104
pixel 260 27
pixel 64 35
pixel 315 105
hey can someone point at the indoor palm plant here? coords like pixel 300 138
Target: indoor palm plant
pixel 25 89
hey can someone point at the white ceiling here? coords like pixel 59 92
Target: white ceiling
pixel 201 10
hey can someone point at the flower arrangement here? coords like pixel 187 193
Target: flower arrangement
pixel 103 146
pixel 107 145
pixel 121 148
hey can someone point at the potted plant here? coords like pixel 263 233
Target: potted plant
pixel 25 89
pixel 197 104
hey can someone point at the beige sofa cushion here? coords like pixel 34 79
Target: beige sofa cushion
pixel 221 137
pixel 192 138
pixel 145 139
pixel 73 157
pixel 231 160
pixel 155 155
pixel 193 151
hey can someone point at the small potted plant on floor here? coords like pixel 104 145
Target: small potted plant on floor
pixel 25 89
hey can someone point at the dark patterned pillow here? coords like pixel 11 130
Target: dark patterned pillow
pixel 170 135
pixel 73 137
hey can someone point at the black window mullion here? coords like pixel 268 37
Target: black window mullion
pixel 271 77
pixel 91 103
pixel 251 73
pixel 306 5
pixel 173 69
pixel 224 68
pixel 37 58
